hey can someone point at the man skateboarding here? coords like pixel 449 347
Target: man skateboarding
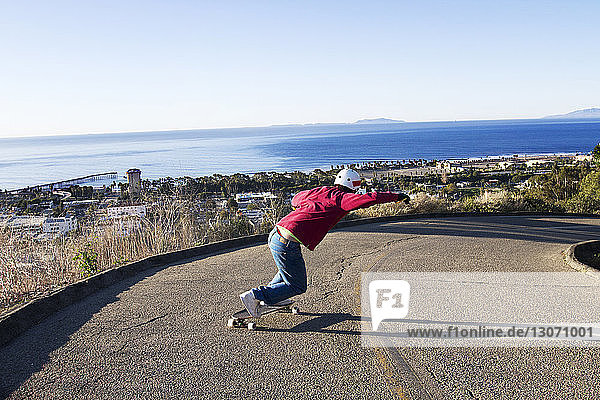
pixel 316 211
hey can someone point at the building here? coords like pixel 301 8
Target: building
pixel 583 157
pixel 538 162
pixel 253 215
pixel 59 226
pixel 506 164
pixel 134 178
pixel 80 203
pixel 248 197
pixel 28 224
pixel 39 226
pixel 126 211
pixel 450 167
pixel 126 219
pixel 125 227
pixel 244 199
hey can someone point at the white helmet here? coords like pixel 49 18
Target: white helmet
pixel 349 178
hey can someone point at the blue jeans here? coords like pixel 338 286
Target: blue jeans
pixel 290 279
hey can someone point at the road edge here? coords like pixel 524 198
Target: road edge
pixel 570 256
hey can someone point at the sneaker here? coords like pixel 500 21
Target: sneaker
pixel 285 302
pixel 250 303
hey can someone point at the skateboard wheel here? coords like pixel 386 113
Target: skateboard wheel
pixel 251 326
pixel 295 310
pixel 231 323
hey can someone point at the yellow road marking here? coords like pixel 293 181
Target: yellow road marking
pixel 388 371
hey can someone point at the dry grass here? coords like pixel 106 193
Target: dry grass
pixel 490 201
pixel 421 203
pixel 29 268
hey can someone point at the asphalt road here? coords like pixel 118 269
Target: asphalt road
pixel 163 334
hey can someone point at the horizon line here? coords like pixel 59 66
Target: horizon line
pixel 291 124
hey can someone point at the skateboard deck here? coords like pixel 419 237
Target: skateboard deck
pixel 241 318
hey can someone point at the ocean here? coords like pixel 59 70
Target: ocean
pixel 31 161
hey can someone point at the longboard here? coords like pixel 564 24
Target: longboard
pixel 241 318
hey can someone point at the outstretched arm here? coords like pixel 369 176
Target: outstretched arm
pixel 353 201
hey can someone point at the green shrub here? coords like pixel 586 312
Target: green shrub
pixel 87 259
pixel 588 198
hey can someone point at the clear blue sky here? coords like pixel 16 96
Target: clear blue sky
pixel 111 66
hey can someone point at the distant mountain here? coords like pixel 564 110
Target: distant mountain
pixel 359 122
pixel 378 121
pixel 587 113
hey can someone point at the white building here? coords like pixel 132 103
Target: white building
pixel 243 200
pixel 253 215
pixel 126 211
pixel 248 197
pixel 450 167
pixel 583 157
pixel 31 224
pixel 125 227
pixel 40 225
pixel 506 164
pixel 59 226
pixel 538 162
pixel 76 203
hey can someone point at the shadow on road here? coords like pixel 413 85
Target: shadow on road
pixel 321 323
pixel 536 229
pixel 29 352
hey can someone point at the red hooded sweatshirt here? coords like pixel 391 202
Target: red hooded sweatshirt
pixel 318 210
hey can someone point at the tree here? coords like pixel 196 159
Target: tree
pixel 596 154
pixel 278 208
pixel 210 204
pixel 449 190
pixel 231 203
pixel 59 210
pixel 557 186
pixel 588 198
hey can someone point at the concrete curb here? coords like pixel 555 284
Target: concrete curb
pixel 29 314
pixel 571 257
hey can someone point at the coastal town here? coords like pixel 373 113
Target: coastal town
pixel 48 211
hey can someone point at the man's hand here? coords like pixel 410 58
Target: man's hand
pixel 403 197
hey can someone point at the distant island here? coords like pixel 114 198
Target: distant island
pixel 586 113
pixel 359 122
pixel 378 121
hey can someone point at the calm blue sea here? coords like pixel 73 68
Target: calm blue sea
pixel 30 161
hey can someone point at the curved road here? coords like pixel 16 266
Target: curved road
pixel 163 334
